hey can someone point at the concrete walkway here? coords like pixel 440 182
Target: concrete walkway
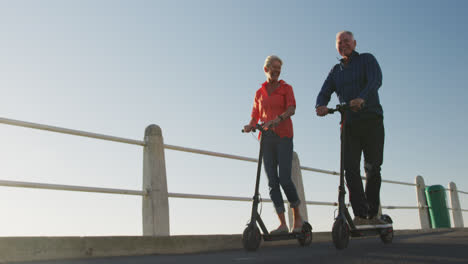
pixel 410 246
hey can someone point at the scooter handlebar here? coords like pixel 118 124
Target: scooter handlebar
pixel 331 110
pixel 257 126
pixel 341 108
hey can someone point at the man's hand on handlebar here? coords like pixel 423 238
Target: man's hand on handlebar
pixel 322 110
pixel 356 104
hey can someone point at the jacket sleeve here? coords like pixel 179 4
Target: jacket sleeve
pixel 374 76
pixel 327 90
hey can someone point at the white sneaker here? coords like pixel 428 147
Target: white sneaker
pixel 280 230
pixel 360 221
pixel 378 222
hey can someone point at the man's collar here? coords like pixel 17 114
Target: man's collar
pixel 353 54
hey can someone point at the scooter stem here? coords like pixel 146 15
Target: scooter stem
pixel 342 191
pixel 256 198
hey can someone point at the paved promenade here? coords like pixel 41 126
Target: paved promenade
pixel 441 246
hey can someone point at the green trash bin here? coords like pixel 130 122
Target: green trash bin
pixel 438 210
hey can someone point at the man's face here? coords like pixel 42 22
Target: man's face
pixel 345 44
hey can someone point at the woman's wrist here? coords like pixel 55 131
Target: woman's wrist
pixel 278 119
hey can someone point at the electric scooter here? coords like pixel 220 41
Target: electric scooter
pixel 343 227
pixel 251 237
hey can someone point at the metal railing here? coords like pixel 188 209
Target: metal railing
pixel 149 193
pixel 59 187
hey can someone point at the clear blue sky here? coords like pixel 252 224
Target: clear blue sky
pixel 192 67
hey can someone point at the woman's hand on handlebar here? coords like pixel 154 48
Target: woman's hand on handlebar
pixel 248 128
pixel 270 124
pixel 321 110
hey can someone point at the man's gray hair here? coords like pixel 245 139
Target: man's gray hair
pixel 345 32
pixel 270 59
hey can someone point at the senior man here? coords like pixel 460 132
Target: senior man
pixel 356 80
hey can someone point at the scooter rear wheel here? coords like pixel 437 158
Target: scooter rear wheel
pixel 387 237
pixel 340 233
pixel 307 235
pixel 251 238
pixel 387 234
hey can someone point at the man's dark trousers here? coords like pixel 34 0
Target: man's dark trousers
pixel 364 136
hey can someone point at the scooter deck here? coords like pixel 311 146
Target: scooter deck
pixel 284 236
pixel 365 227
pixel 369 230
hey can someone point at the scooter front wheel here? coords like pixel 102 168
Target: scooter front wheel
pixel 306 237
pixel 340 233
pixel 251 238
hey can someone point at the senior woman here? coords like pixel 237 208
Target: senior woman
pixel 274 105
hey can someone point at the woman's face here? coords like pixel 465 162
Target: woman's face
pixel 273 71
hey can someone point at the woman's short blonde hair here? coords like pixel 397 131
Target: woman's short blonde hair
pixel 270 59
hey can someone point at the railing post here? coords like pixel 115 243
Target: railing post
pixel 422 203
pixel 156 203
pixel 296 175
pixel 455 204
